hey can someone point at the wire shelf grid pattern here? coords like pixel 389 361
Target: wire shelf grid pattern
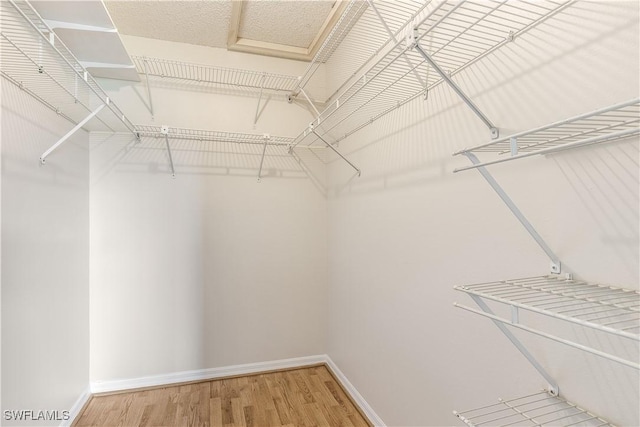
pixel 613 310
pixel 454 34
pixel 537 409
pixel 361 27
pixel 37 61
pixel 605 125
pixel 213 136
pixel 215 75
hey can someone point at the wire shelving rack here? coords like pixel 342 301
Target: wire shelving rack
pixel 454 34
pixel 615 311
pixel 207 74
pixel 536 409
pixel 378 24
pixel 212 135
pixel 37 61
pixel 604 125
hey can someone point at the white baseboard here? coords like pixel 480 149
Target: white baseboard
pixel 355 395
pixel 203 374
pixel 227 371
pixel 77 407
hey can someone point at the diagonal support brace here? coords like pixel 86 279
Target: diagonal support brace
pixel 165 131
pixel 71 132
pixel 266 138
pixel 146 77
pixel 337 152
pixel 494 130
pixel 553 386
pixel 255 119
pixel 556 266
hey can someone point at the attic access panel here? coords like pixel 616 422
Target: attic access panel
pixel 302 27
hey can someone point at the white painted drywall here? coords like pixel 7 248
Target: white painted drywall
pixel 45 260
pixel 408 230
pixel 212 268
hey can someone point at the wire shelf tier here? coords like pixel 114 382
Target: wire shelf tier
pixel 207 74
pixel 378 24
pixel 455 34
pixel 37 61
pixel 605 125
pixel 615 311
pixel 212 135
pixel 537 409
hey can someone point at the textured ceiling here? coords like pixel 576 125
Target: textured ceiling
pixel 292 23
pixel 195 22
pixel 281 25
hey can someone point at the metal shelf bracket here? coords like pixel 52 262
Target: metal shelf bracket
pixel 266 137
pixel 165 131
pixel 554 390
pixel 556 265
pixel 71 132
pixel 413 42
pixel 358 171
pixel 146 77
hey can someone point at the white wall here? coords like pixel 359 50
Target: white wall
pixel 45 259
pixel 211 268
pixel 408 230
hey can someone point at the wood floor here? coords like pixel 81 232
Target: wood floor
pixel 293 398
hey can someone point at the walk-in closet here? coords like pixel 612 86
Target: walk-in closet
pixel 320 212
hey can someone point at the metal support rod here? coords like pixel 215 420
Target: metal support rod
pixel 264 151
pixel 552 337
pixel 337 152
pixel 555 261
pixel 255 119
pixel 173 171
pixel 146 76
pixel 312 105
pixel 553 386
pixel 71 132
pixel 395 40
pixel 456 88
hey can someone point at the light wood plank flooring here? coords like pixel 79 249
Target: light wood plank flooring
pixel 293 398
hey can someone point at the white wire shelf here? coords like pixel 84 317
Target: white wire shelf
pixel 455 34
pixel 37 61
pixel 615 311
pixel 378 24
pixel 349 17
pixel 604 125
pixel 206 74
pixel 212 135
pixel 537 409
